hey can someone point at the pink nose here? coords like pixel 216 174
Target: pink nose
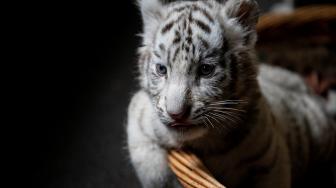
pixel 181 115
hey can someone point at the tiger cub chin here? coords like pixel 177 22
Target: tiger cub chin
pixel 202 90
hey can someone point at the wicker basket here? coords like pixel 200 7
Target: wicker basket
pixel 300 41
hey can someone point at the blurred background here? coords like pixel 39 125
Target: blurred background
pixel 79 83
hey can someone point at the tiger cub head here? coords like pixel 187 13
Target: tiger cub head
pixel 197 62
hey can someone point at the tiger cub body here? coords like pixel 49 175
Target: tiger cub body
pixel 202 90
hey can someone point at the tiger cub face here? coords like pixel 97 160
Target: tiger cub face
pixel 196 62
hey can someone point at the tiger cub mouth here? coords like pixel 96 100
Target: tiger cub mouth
pixel 181 125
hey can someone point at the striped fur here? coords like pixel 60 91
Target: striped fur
pixel 248 128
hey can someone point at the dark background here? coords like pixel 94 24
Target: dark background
pixel 80 81
pixel 78 76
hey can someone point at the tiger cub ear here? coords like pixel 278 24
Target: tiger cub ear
pixel 152 13
pixel 246 12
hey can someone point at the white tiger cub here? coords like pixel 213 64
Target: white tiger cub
pixel 201 91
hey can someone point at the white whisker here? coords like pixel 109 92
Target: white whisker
pixel 219 123
pixel 222 118
pixel 235 118
pixel 213 118
pixel 206 124
pixel 209 121
pixel 225 108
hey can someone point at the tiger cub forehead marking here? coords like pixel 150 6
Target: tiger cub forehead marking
pixel 188 33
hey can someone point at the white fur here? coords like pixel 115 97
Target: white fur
pixel 152 12
pixel 148 158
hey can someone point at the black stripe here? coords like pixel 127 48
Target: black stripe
pixel 214 54
pixel 159 108
pixel 204 12
pixel 177 38
pixel 177 10
pixel 187 48
pixel 180 9
pixel 184 24
pixel 157 54
pixel 167 27
pixel 202 25
pixel 247 38
pixel 190 70
pixel 189 37
pixel 190 17
pixel 205 2
pixel 175 54
pixel 168 57
pixel 197 111
pixel 162 47
pixel 189 40
pixel 204 43
pixel 189 31
pixel 222 78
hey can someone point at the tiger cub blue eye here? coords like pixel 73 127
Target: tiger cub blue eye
pixel 161 69
pixel 206 69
